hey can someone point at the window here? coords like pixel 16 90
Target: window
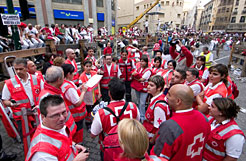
pixel 228 9
pixel 223 10
pixel 178 15
pixel 144 6
pixel 219 10
pixel 137 8
pixel 233 19
pixel 162 3
pixel 242 19
pixel 237 2
pixel 235 11
pixel 100 3
pixel 112 5
pixel 167 3
pixel 68 1
pixel 244 10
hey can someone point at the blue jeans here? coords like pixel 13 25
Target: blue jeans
pixel 141 100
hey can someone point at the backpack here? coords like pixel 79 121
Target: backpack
pixel 235 90
pixel 111 141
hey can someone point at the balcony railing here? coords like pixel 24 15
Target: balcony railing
pixel 234 12
pixel 243 11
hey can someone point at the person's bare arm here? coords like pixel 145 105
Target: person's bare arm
pixel 228 158
pixel 81 97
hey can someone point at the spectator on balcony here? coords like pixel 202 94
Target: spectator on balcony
pixel 70 32
pixel 47 34
pixel 25 43
pixel 68 35
pixel 76 34
pixel 59 34
pixel 33 35
pixel 52 29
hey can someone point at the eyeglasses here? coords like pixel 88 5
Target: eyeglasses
pixel 58 115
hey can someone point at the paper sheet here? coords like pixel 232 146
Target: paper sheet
pixel 93 81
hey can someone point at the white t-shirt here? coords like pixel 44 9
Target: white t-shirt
pixel 31 32
pixel 96 127
pixel 205 74
pixel 146 75
pixel 159 113
pixel 42 156
pixel 195 88
pixel 52 31
pixel 72 95
pixel 234 145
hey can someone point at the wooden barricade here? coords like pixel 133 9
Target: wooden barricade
pixel 23 53
pixel 50 47
pixel 237 59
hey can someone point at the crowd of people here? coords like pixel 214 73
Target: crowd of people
pixel 35 36
pixel 184 107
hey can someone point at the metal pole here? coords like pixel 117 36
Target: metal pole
pixel 15 33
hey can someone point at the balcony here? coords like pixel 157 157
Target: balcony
pixel 236 27
pixel 234 12
pixel 243 11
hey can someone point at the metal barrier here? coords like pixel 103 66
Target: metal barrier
pixel 8 124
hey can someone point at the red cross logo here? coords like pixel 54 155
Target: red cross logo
pixel 196 147
pixel 159 121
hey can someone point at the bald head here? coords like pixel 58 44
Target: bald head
pixel 54 74
pixel 180 97
pixel 69 50
pixel 70 53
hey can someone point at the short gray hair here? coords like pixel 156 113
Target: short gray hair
pixel 69 50
pixel 53 73
pixel 18 61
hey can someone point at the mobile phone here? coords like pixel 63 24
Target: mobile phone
pixel 86 151
pixel 13 101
